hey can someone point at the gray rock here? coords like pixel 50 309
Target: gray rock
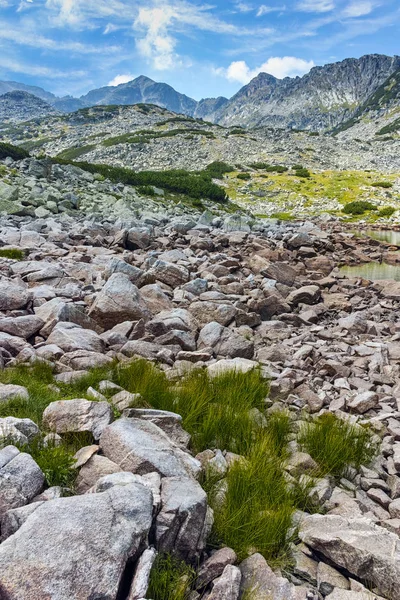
pixel 362 548
pixel 309 294
pixel 118 301
pixel 364 402
pixel 94 469
pixel 213 567
pixel 181 522
pixel 70 337
pixel 140 582
pixel 261 583
pixel 168 273
pixel 13 296
pixel 169 422
pixel 67 416
pixel 103 532
pixel 10 392
pixel 20 478
pixel 227 586
pixel 141 447
pixel 24 326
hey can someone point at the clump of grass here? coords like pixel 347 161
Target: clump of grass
pixel 336 444
pixel 14 253
pixel 216 410
pixel 36 379
pixel 256 513
pixel 170 579
pixel 283 216
pixel 143 377
pixel 56 462
pixel 303 173
pixel 358 207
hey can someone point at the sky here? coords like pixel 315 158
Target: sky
pixel 202 49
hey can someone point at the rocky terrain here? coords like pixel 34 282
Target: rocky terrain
pixel 327 98
pixel 100 278
pixel 20 106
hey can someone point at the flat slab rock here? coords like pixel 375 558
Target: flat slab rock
pixel 20 479
pixel 76 548
pixel 141 447
pixel 364 549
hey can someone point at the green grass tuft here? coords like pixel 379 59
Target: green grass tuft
pixel 359 207
pixel 336 444
pixel 13 253
pixel 170 579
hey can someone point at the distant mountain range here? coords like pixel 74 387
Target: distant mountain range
pixel 326 98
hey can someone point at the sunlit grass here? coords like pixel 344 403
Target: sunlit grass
pixel 170 579
pixel 336 444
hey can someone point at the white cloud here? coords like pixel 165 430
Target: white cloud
pixel 157 44
pixel 285 66
pixel 243 7
pixel 358 9
pixel 17 66
pixel 317 6
pixel 118 79
pixel 265 10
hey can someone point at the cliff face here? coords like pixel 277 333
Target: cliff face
pixel 323 99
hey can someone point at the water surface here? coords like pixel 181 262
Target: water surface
pixel 388 236
pixel 372 271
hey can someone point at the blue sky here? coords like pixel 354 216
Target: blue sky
pixel 200 48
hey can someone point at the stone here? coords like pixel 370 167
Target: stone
pixel 141 447
pixel 20 479
pixel 25 326
pixel 205 312
pixel 94 468
pixel 261 583
pixel 17 431
pixel 70 337
pixel 214 566
pixel 168 273
pixel 12 296
pixel 364 549
pixel 118 301
pixel 308 294
pixel 181 523
pixel 123 400
pixel 227 586
pixel 58 311
pixel 169 422
pixel 329 578
pixel 103 531
pixel 10 392
pixel 363 402
pixel 140 582
pixel 69 416
pixel 149 350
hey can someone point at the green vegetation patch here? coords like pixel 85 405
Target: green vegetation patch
pixel 170 579
pixel 382 184
pixel 196 184
pixel 14 152
pixel 387 211
pixel 393 127
pixel 244 176
pixel 76 152
pixel 14 253
pixel 359 207
pixel 336 444
pixel 144 136
pixel 217 169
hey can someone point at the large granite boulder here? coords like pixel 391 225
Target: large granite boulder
pixel 76 547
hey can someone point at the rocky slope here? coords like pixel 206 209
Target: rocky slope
pixel 153 138
pixel 21 106
pixel 187 291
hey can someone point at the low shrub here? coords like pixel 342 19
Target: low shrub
pixel 336 444
pixel 146 190
pixel 387 211
pixel 76 152
pixel 217 169
pixel 244 176
pixel 358 207
pixel 14 152
pixel 259 166
pixel 382 184
pixel 195 184
pixel 303 173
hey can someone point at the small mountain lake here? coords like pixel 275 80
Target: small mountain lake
pixel 372 271
pixel 389 236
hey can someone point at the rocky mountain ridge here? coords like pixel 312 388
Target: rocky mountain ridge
pixel 324 99
pixel 22 106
